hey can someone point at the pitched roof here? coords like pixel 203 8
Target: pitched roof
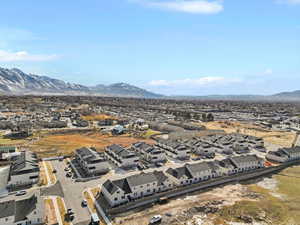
pixel 7 209
pixel 25 207
pixel 141 179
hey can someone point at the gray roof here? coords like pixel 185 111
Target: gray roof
pixel 119 150
pixel 7 209
pixel 245 159
pixel 141 179
pixel 160 176
pixel 180 172
pixel 21 208
pixel 127 184
pixel 195 168
pixel 25 207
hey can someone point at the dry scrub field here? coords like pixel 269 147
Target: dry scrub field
pixel 279 209
pixel 97 117
pixel 65 144
pixel 284 139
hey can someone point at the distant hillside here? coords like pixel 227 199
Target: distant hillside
pixel 15 81
pixel 292 94
pixel 123 89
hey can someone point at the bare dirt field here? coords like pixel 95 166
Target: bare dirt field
pixel 182 210
pixel 97 117
pixel 284 139
pixel 65 144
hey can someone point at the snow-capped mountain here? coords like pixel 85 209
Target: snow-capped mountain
pixel 15 81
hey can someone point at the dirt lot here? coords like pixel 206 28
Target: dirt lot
pixel 182 210
pixel 65 144
pixel 284 139
pixel 97 117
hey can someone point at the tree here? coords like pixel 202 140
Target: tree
pixel 210 117
pixel 204 117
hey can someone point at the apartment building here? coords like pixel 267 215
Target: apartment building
pixel 121 157
pixel 91 162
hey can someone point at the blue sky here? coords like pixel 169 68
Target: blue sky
pixel 174 47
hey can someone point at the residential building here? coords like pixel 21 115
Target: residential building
pixel 121 157
pixel 284 155
pixel 193 173
pixel 136 186
pixel 23 210
pixel 91 162
pixel 150 153
pixel 175 149
pixel 24 171
pixel 246 162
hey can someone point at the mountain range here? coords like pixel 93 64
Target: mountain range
pixel 14 81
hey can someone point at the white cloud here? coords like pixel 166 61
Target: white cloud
pixel 187 6
pixel 203 81
pixel 268 72
pixel 6 56
pixel 290 2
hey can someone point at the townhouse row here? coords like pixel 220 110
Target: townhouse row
pixel 284 155
pixel 124 190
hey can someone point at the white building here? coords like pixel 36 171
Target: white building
pixel 133 187
pixel 284 155
pixel 22 210
pixel 4 175
pixel 91 162
pixel 121 156
pixel 246 162
pixel 150 153
pixel 194 173
pixel 175 149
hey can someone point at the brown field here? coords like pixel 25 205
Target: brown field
pixel 65 144
pixel 271 209
pixel 284 139
pixel 97 117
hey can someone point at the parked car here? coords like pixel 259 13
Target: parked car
pixel 66 169
pixel 140 166
pixel 20 193
pixel 54 171
pixel 159 164
pixel 156 219
pixel 69 174
pixel 84 203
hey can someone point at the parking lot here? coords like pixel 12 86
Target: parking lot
pixel 73 193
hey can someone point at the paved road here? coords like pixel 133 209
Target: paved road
pixel 73 193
